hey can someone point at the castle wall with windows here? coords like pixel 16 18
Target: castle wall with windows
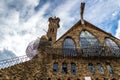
pixel 89 42
pixel 81 53
pixel 84 52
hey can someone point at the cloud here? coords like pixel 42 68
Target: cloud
pixel 6 54
pixel 26 7
pixel 16 29
pixel 118 30
pixel 100 11
pixel 64 12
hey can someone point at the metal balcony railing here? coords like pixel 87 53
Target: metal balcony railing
pixel 87 52
pixel 74 53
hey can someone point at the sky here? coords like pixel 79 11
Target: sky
pixel 22 21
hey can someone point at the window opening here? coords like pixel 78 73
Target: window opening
pixel 91 68
pixel 100 68
pixel 64 68
pixel 73 68
pixel 55 67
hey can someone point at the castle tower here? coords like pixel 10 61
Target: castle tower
pixel 52 30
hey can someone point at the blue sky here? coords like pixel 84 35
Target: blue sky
pixel 22 21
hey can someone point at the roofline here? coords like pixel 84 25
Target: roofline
pixel 79 23
pixel 101 30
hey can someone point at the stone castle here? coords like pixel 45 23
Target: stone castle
pixel 84 52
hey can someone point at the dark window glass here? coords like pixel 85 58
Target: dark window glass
pixel 91 68
pixel 100 68
pixel 113 47
pixel 59 79
pixel 50 39
pixel 55 67
pixel 69 47
pixel 52 30
pixel 113 79
pixel 73 68
pixel 109 68
pixel 90 45
pixel 49 78
pixel 68 79
pixel 64 68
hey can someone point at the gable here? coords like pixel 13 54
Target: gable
pixel 75 30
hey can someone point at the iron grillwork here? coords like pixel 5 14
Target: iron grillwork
pixel 12 61
pixel 86 53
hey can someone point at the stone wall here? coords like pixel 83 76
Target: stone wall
pixel 41 68
pixel 82 69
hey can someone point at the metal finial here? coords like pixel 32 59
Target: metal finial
pixel 82 11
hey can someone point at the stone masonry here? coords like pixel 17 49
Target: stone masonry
pixel 50 51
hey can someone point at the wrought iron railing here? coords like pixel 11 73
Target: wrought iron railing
pixel 74 53
pixel 13 61
pixel 88 52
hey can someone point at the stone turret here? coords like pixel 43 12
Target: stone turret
pixel 52 30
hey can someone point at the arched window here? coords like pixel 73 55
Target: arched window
pixel 64 68
pixel 55 67
pixel 90 45
pixel 100 68
pixel 109 68
pixel 73 68
pixel 52 30
pixel 114 48
pixel 91 68
pixel 50 39
pixel 68 47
